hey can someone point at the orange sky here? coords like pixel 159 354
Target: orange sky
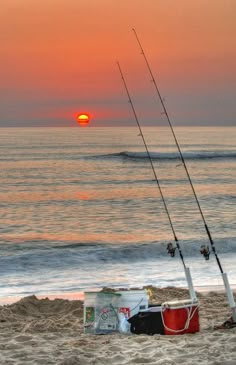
pixel 58 57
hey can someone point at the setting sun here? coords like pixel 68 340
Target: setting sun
pixel 83 119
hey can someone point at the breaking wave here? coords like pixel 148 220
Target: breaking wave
pixel 190 155
pixel 84 255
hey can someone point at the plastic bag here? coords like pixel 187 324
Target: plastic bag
pixel 124 325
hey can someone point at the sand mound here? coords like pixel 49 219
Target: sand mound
pixel 32 306
pixel 31 314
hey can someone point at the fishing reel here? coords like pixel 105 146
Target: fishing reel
pixel 171 249
pixel 204 250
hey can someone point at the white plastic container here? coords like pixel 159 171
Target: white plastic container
pixel 101 312
pixel 132 301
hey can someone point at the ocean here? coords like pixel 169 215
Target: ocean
pixel 81 210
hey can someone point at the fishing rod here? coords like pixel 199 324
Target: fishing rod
pixel 170 248
pixel 204 249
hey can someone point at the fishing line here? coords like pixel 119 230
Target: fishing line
pixel 204 250
pixel 187 272
pixel 180 152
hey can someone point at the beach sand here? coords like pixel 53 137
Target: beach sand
pixel 43 331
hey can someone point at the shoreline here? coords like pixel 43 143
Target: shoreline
pixel 72 296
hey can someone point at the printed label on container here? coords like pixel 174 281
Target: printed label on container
pixel 89 314
pixel 125 311
pixel 107 319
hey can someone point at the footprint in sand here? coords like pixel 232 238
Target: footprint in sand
pixel 23 338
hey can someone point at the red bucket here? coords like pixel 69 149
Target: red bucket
pixel 180 317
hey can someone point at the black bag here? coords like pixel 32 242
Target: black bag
pixel 149 323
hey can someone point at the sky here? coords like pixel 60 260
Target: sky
pixel 59 58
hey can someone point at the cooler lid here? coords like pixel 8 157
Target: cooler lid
pixel 180 303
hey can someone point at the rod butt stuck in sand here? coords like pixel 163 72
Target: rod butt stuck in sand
pixel 229 295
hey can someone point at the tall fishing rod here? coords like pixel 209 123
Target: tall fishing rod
pixel 204 250
pixel 170 248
